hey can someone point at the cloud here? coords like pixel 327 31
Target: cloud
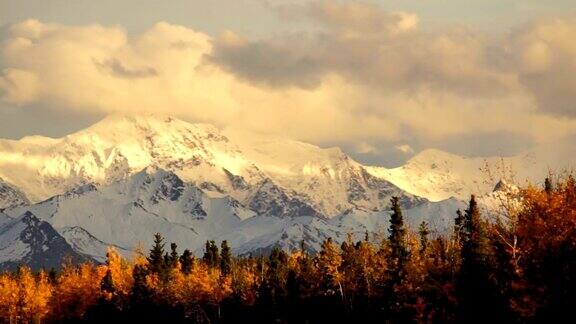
pixel 366 148
pixel 405 148
pixel 366 44
pixel 72 68
pixel 545 53
pixel 118 68
pixel 358 19
pixel 289 62
pixel 18 86
pixel 364 79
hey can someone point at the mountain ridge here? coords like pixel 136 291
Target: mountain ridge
pixel 327 180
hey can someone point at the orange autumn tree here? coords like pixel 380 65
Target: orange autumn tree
pixel 24 297
pixel 77 289
pixel 534 270
pixel 545 255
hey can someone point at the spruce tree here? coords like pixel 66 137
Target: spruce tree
pixel 174 257
pixel 548 186
pixel 398 249
pixel 399 257
pixel 474 285
pixel 186 261
pixel 166 261
pixel 215 254
pixel 211 254
pixel 156 258
pixel 225 258
pixel 140 293
pixel 276 272
pixel 107 283
pixel 207 258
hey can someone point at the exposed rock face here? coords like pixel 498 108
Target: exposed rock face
pixel 33 242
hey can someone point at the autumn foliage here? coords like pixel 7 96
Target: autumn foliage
pixel 516 267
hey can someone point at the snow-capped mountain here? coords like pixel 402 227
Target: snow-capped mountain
pixel 130 211
pixel 123 179
pixel 27 239
pixel 272 176
pixel 438 175
pixel 127 213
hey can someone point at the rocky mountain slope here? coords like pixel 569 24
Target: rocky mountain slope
pixel 126 214
pixel 28 240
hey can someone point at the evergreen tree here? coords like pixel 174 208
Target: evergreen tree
pixel 174 255
pixel 207 257
pixel 423 232
pixel 52 275
pixel 399 256
pixel 548 186
pixel 166 261
pixel 215 254
pixel 156 258
pixel 293 291
pixel 107 283
pixel 474 285
pixel 186 261
pixel 398 248
pixel 140 292
pixel 211 254
pixel 276 272
pixel 225 258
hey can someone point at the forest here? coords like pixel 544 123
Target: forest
pixel 518 267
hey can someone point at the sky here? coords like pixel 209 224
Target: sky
pixel 384 80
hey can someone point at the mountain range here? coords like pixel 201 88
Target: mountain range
pixel 125 178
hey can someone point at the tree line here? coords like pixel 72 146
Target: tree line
pixel 519 267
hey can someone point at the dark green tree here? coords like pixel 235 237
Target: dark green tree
pixel 156 257
pixel 225 258
pixel 548 187
pixel 207 257
pixel 53 275
pixel 398 248
pixel 399 255
pixel 174 257
pixel 474 288
pixel 276 273
pixel 186 261
pixel 107 283
pixel 140 293
pixel 211 254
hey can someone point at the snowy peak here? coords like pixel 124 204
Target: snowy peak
pixel 302 178
pixel 113 149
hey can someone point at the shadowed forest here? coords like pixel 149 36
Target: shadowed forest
pixel 518 267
